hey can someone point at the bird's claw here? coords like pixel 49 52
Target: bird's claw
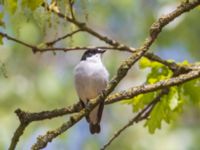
pixel 87 105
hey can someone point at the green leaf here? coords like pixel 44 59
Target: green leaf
pixel 145 63
pixel 166 110
pixel 190 91
pixel 184 63
pixel 32 4
pixel 158 71
pixel 173 98
pixel 141 100
pixel 1 22
pixel 156 117
pixel 11 5
pixel 138 102
pixel 1 39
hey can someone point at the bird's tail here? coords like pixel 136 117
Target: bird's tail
pixel 94 128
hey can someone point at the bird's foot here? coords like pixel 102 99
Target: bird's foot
pixel 87 105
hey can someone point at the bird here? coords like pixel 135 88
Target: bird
pixel 91 78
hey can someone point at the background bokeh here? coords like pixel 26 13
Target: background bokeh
pixel 44 81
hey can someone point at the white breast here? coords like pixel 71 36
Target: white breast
pixel 90 79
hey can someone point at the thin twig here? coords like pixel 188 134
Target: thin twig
pixel 143 114
pixel 82 25
pixel 34 48
pixel 51 43
pixel 71 3
pixel 78 48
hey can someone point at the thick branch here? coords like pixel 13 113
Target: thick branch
pixel 29 117
pixel 130 93
pixel 26 118
pixel 19 131
pixel 126 94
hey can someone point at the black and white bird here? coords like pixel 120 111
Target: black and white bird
pixel 91 77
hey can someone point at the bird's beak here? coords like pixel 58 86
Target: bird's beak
pixel 102 51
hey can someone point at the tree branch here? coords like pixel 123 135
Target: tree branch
pixel 43 140
pixel 122 95
pixel 155 29
pixel 143 114
pixel 172 65
pixel 51 43
pixel 130 93
pixel 177 69
pixel 71 3
pixel 27 117
pixel 34 48
pixel 18 132
pixel 122 70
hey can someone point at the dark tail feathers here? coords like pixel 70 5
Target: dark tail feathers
pixel 94 128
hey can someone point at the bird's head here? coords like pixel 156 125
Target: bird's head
pixel 92 54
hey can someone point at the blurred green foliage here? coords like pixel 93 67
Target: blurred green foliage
pixel 37 82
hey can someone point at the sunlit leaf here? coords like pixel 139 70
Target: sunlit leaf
pixel 190 90
pixel 173 98
pixel 166 110
pixel 11 5
pixel 158 71
pixel 1 20
pixel 1 40
pixel 32 4
pixel 141 100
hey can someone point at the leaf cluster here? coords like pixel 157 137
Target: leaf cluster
pixel 170 105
